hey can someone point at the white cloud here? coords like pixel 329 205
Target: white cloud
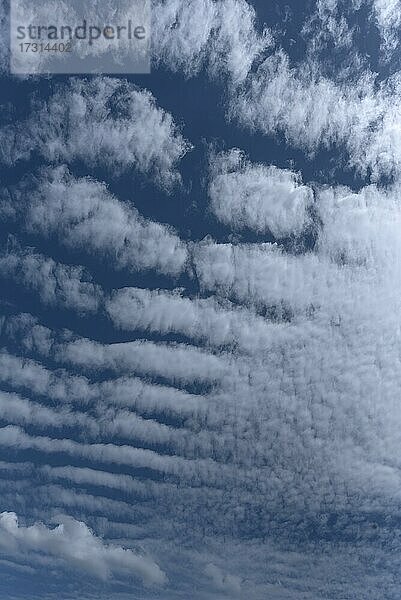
pixel 267 94
pixel 15 409
pixel 262 198
pixel 22 373
pixel 178 362
pixel 354 114
pixel 194 471
pixel 229 584
pixel 262 276
pixel 221 35
pixel 313 112
pixel 59 499
pixel 22 468
pixel 203 320
pixel 84 215
pixel 60 386
pixel 362 228
pixel 107 422
pixel 105 479
pixel 169 496
pixel 78 123
pixel 328 25
pixel 56 284
pixel 388 19
pixel 77 547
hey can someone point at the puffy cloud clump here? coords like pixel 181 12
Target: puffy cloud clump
pixel 262 198
pixel 77 547
pixel 103 122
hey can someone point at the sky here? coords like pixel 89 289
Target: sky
pixel 200 312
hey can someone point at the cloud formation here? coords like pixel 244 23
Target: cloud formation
pixel 267 92
pixel 262 198
pixel 56 284
pixel 234 412
pixel 219 35
pixel 75 544
pixel 83 214
pixel 123 130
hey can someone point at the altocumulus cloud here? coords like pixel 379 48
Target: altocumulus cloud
pixel 138 134
pixel 258 197
pixel 83 214
pixel 268 93
pixel 219 415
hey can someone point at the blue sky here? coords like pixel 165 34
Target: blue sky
pixel 200 312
